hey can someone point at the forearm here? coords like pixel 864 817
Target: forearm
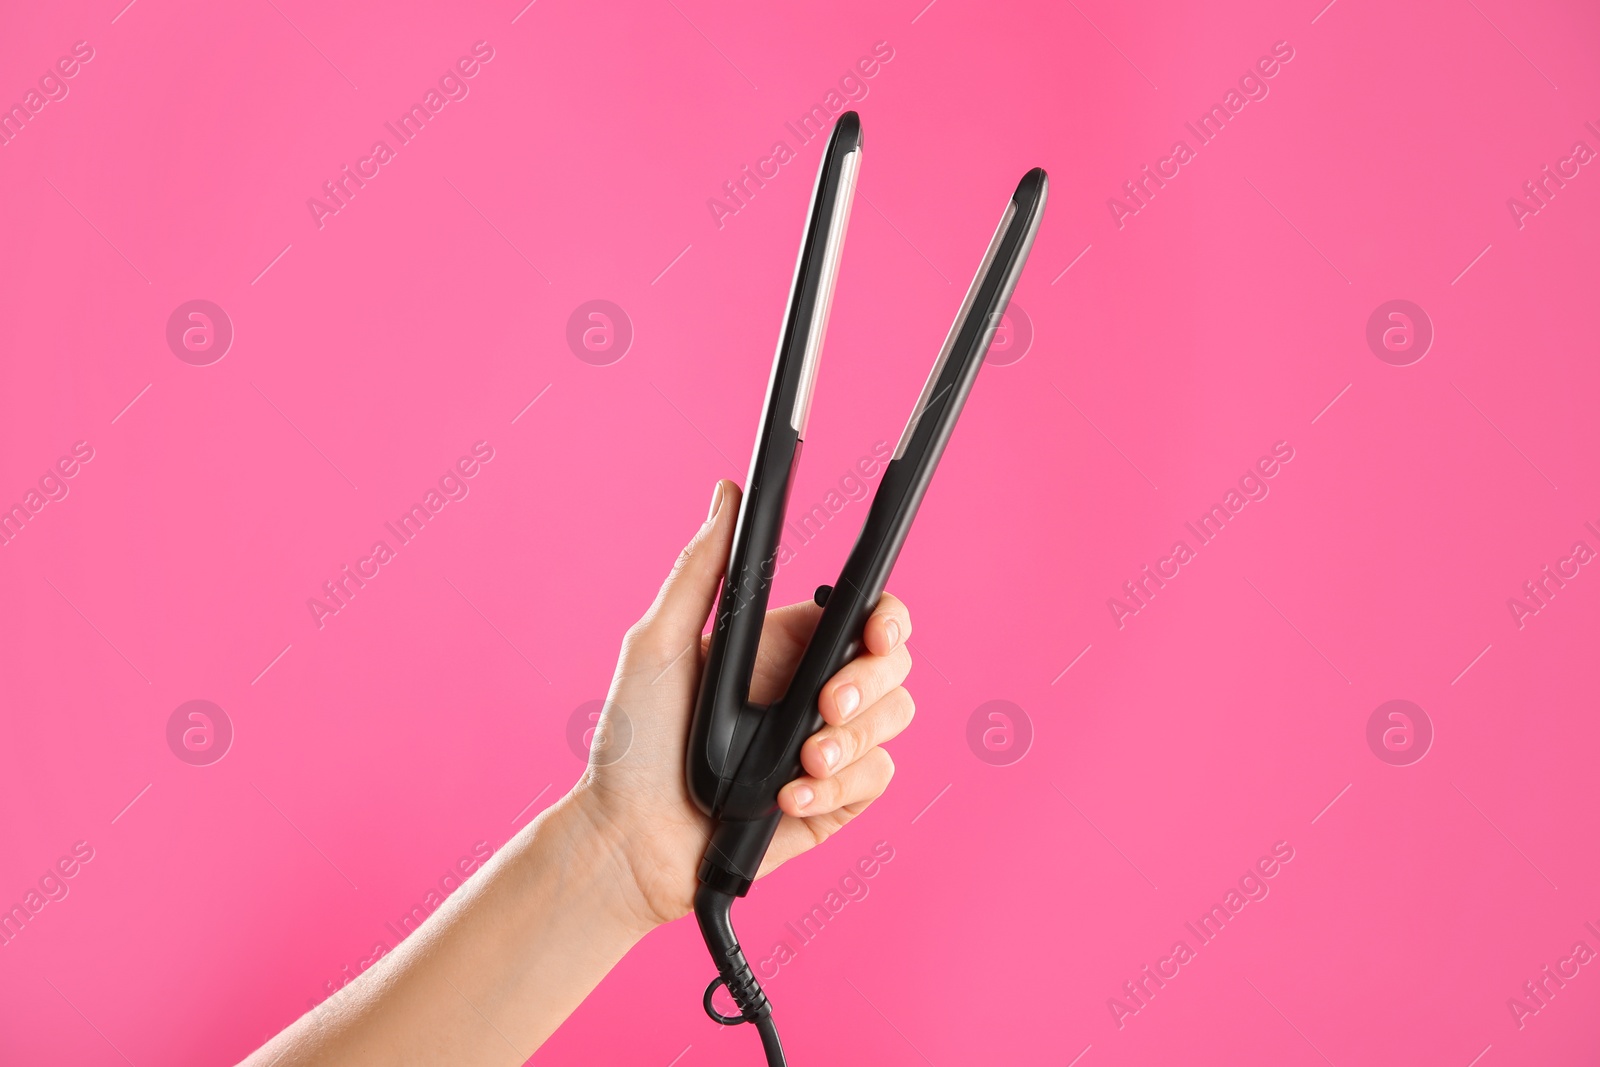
pixel 494 971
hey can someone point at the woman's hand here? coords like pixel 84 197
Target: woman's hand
pixel 498 966
pixel 634 790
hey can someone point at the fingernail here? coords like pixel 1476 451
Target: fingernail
pixel 830 753
pixel 848 697
pixel 716 502
pixel 803 796
pixel 892 628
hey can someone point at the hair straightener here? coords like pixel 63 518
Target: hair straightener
pixel 740 755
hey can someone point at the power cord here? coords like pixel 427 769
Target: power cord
pixel 713 910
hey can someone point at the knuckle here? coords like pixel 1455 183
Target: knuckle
pixel 634 638
pixel 829 792
pixel 853 741
pixel 644 642
pixel 902 663
pixel 884 774
pixel 865 733
pixel 685 559
pixel 882 770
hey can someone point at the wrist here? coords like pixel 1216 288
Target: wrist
pixel 598 848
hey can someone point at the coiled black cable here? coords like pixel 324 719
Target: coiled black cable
pixel 713 910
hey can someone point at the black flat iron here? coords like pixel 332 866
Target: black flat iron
pixel 740 754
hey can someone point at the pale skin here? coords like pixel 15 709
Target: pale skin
pixel 503 962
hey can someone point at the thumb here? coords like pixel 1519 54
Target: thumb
pixel 676 619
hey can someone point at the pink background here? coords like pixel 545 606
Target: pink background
pixel 1224 317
